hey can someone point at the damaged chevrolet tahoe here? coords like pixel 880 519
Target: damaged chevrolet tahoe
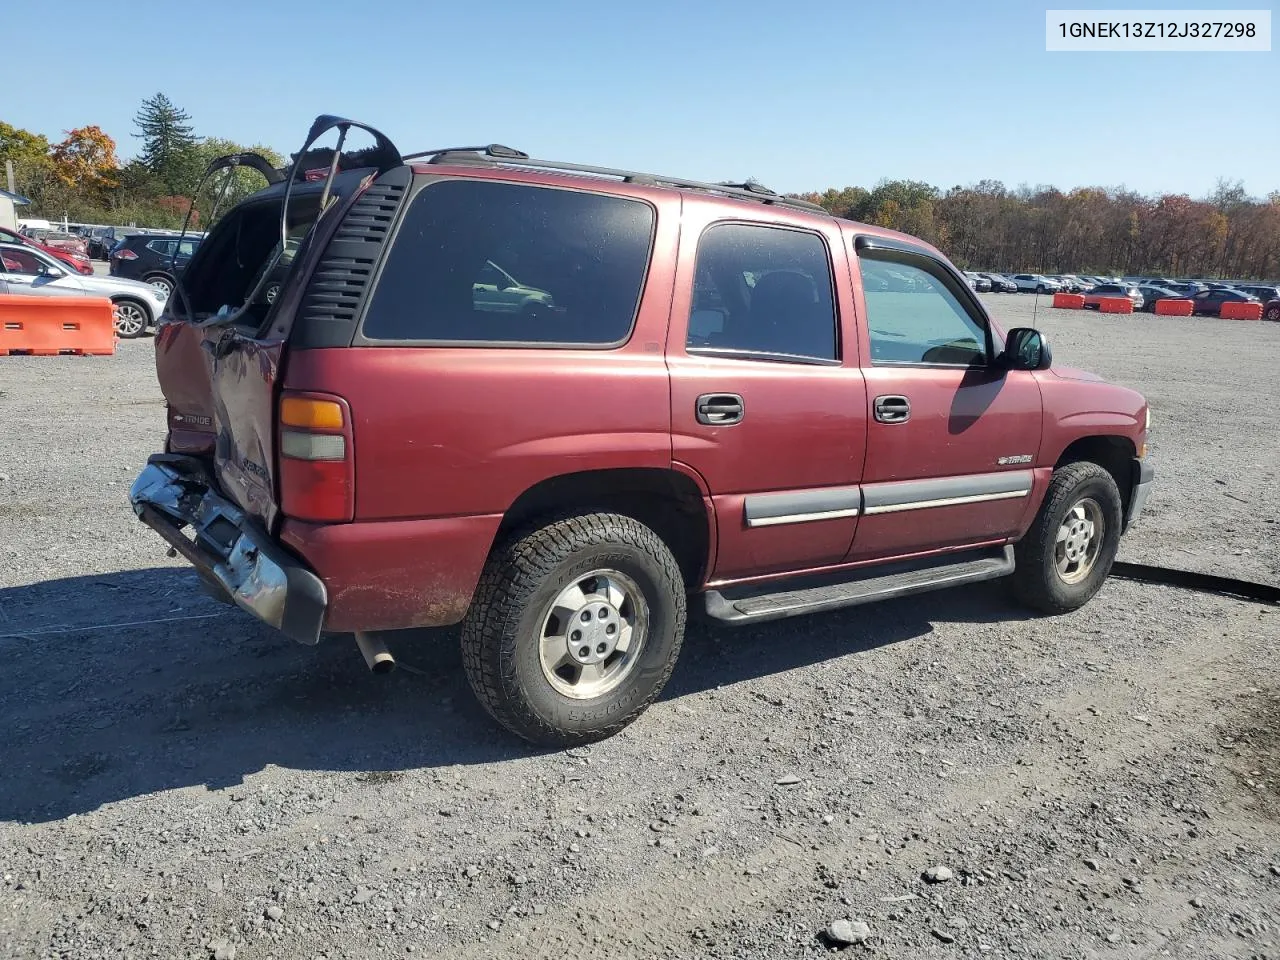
pixel 555 404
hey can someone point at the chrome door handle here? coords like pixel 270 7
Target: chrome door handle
pixel 719 409
pixel 892 409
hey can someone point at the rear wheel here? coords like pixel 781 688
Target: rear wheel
pixel 575 628
pixel 270 294
pixel 1068 552
pixel 1272 312
pixel 163 285
pixel 130 319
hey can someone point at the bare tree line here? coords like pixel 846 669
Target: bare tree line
pixel 987 226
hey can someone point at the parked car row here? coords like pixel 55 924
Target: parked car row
pixel 1207 296
pixel 80 264
pixel 1205 302
pixel 88 241
pixel 29 271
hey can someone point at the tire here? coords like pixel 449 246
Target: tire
pixel 162 284
pixel 131 318
pixel 521 600
pixel 269 295
pixel 1272 313
pixel 1078 491
pixel 1040 289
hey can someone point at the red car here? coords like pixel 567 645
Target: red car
pixel 557 403
pixel 76 262
pixel 58 240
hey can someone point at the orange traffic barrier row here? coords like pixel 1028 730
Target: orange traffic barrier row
pixel 48 326
pixel 1115 305
pixel 1236 310
pixel 1069 301
pixel 1174 308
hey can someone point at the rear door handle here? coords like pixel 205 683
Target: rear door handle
pixel 893 409
pixel 719 409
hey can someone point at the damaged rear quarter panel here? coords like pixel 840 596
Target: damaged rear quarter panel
pixel 244 376
pixel 397 574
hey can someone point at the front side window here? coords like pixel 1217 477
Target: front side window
pixel 763 291
pixel 485 262
pixel 912 317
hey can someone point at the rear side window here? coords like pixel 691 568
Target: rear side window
pixel 485 262
pixel 762 292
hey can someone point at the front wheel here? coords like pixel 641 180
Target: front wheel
pixel 1272 313
pixel 1068 552
pixel 130 319
pixel 575 628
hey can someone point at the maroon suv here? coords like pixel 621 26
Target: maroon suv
pixel 552 402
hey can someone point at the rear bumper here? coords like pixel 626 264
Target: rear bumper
pixel 1144 475
pixel 230 551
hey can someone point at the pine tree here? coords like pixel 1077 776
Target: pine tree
pixel 167 141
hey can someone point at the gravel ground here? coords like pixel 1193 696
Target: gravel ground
pixel 181 782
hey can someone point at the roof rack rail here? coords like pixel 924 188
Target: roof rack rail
pixel 749 190
pixel 749 185
pixel 494 150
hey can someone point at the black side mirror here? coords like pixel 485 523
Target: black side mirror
pixel 1026 348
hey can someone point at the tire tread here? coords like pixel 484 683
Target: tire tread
pixel 514 571
pixel 1029 583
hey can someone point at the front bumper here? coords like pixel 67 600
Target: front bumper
pixel 1144 475
pixel 231 552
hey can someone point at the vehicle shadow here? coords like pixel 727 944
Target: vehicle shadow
pixel 126 684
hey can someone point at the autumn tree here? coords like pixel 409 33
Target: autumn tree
pixel 86 158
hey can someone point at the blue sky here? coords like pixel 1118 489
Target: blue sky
pixel 801 95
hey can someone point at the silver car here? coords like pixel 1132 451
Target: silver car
pixel 25 270
pixel 1035 283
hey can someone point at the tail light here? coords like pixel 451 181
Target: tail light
pixel 316 458
pixel 125 255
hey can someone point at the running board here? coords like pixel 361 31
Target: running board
pixel 752 606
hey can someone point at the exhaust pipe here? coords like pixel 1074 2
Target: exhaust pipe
pixel 376 654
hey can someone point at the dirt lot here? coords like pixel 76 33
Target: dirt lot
pixel 176 781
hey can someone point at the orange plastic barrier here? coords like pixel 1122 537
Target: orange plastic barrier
pixel 1069 301
pixel 48 326
pixel 1235 310
pixel 1174 308
pixel 1115 305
